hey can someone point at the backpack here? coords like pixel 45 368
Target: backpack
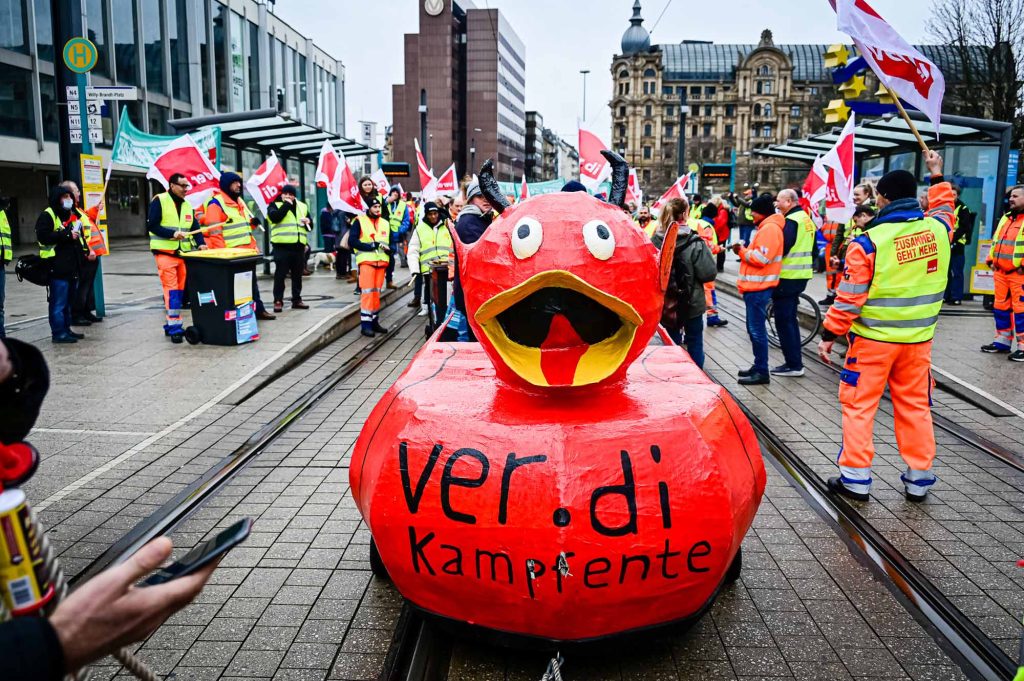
pixel 34 269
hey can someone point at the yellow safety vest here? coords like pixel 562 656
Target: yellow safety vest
pixel 370 233
pixel 6 251
pixel 237 232
pixel 291 230
pixel 396 215
pixel 50 250
pixel 171 219
pixel 435 244
pixel 1004 249
pixel 956 225
pixel 799 262
pixel 911 270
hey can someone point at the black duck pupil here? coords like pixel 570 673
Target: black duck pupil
pixel 603 232
pixel 523 231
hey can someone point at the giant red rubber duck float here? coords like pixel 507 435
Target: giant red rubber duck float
pixel 561 479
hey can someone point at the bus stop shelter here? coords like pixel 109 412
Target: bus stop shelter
pixel 976 152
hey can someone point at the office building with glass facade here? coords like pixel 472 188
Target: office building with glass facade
pixel 189 58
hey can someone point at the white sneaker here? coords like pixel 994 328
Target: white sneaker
pixel 787 372
pixel 422 312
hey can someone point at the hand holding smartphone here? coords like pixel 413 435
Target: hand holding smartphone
pixel 203 554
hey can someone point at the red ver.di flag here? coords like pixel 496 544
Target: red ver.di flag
pixel 594 168
pixel 183 156
pixel 334 175
pixel 265 184
pixel 448 183
pixel 907 72
pixel 633 192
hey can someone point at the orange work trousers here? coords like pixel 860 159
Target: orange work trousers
pixel 711 301
pixel 371 283
pixel 1008 309
pixel 906 367
pixel 172 279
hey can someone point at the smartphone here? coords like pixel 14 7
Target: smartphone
pixel 203 554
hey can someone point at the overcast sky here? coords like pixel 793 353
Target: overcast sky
pixel 562 37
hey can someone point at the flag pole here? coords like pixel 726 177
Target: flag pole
pixel 906 117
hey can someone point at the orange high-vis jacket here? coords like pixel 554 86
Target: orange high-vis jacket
pixel 215 214
pixel 852 292
pixel 761 262
pixel 1005 255
pixel 829 230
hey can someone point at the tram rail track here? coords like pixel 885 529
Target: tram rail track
pixel 963 639
pixel 192 497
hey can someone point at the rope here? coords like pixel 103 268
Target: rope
pixel 55 576
pixel 554 670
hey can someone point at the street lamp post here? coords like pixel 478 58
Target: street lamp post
pixel 430 148
pixel 584 72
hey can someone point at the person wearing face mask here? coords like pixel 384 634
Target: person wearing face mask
pixel 84 300
pixel 231 224
pixel 61 244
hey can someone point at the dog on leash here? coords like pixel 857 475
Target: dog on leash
pixel 316 260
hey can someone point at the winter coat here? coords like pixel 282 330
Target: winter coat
pixel 692 267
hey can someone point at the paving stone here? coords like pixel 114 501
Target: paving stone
pixel 310 655
pixel 255 663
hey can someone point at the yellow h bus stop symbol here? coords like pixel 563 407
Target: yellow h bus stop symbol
pixel 80 55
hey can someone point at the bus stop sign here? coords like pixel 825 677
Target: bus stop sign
pixel 80 55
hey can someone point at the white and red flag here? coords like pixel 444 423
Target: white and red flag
pixel 183 156
pixel 447 184
pixel 633 192
pixel 380 181
pixel 813 191
pixel 594 168
pixel 426 174
pixel 524 190
pixel 265 184
pixel 839 204
pixel 676 191
pixel 334 174
pixel 912 76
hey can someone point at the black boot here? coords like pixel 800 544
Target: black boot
pixel 415 303
pixel 378 328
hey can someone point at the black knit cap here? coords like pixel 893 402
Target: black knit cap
pixel 897 184
pixel 710 212
pixel 763 205
pixel 289 189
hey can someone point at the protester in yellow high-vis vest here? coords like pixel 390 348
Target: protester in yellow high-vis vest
pixel 289 229
pixel 59 233
pixel 169 223
pixel 228 223
pixel 431 242
pixel 797 268
pixel 369 237
pixel 705 229
pixel 84 300
pixel 1006 260
pixel 643 221
pixel 399 217
pixel 6 255
pixel 888 304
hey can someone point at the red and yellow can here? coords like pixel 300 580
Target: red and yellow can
pixel 24 586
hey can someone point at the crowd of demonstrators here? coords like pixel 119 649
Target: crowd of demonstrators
pixel 474 218
pixel 104 614
pixel 290 225
pixel 693 267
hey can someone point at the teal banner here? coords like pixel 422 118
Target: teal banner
pixel 134 147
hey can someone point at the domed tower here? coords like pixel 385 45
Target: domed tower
pixel 636 38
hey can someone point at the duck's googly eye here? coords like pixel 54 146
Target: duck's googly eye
pixel 599 239
pixel 527 238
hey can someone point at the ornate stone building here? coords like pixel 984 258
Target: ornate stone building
pixel 720 103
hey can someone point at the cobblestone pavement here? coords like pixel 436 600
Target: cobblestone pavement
pixel 966 538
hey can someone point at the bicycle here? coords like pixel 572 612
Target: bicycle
pixel 806 308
